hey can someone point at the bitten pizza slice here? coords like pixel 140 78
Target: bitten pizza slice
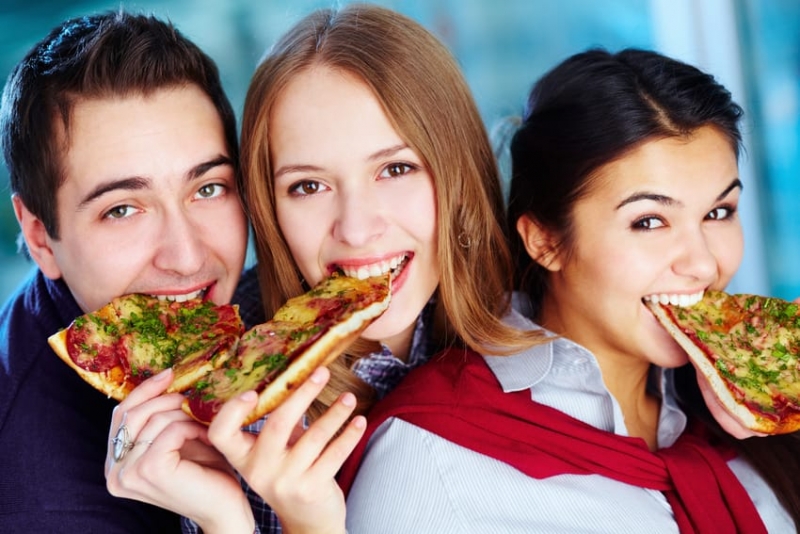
pixel 307 332
pixel 136 336
pixel 748 347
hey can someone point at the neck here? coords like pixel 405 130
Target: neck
pixel 627 382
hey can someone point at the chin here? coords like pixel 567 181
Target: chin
pixel 385 329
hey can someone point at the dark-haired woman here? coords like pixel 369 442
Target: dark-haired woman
pixel 625 188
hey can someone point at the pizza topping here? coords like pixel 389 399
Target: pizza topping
pixel 268 349
pixel 144 335
pixel 753 342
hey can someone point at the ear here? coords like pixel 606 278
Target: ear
pixel 539 243
pixel 36 239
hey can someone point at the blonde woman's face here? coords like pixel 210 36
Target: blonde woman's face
pixel 660 222
pixel 351 195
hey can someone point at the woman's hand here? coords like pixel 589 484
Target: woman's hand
pixel 726 420
pixel 171 463
pixel 293 469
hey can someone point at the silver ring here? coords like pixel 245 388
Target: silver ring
pixel 143 442
pixel 122 443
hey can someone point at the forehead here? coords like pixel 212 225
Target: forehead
pixel 700 165
pixel 163 132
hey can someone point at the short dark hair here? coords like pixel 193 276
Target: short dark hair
pixel 98 56
pixel 590 110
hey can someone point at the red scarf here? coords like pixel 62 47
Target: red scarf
pixel 457 397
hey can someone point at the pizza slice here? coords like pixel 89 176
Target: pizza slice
pixel 136 336
pixel 307 332
pixel 748 347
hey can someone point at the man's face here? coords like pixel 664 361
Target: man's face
pixel 149 204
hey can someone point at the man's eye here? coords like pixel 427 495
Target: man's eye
pixel 306 187
pixel 393 170
pixel 647 223
pixel 119 212
pixel 211 191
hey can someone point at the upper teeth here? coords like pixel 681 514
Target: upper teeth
pixel 182 298
pixel 675 299
pixel 376 269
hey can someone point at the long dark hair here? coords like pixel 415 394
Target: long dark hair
pixel 591 110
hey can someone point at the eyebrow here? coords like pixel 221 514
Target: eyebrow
pixel 669 201
pixel 135 183
pixel 382 153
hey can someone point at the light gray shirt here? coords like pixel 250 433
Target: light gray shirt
pixel 413 481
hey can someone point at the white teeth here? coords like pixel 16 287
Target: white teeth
pixel 676 299
pixel 182 298
pixel 375 269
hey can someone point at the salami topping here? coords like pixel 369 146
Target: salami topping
pixel 749 345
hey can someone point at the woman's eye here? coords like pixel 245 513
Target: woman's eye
pixel 211 191
pixel 648 223
pixel 306 187
pixel 119 212
pixel 393 170
pixel 721 213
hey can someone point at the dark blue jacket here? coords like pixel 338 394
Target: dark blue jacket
pixel 54 429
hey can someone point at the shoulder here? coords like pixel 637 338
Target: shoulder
pixel 415 461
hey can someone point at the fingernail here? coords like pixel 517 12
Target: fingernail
pixel 162 375
pixel 360 422
pixel 248 396
pixel 349 400
pixel 318 376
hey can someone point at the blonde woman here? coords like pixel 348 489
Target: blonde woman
pixel 363 151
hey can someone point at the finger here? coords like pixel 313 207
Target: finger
pixel 225 431
pixel 323 430
pixel 283 421
pixel 143 435
pixel 149 389
pixel 726 420
pixel 339 449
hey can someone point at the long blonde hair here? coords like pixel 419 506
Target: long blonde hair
pixel 428 102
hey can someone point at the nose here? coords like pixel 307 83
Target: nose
pixel 359 218
pixel 696 258
pixel 181 247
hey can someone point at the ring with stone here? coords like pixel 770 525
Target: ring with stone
pixel 122 443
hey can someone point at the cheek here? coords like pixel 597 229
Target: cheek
pixel 729 254
pixel 304 233
pixel 421 202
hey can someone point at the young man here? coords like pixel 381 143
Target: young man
pixel 122 152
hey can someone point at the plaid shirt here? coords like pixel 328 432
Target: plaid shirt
pixel 381 370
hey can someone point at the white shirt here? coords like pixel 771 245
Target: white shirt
pixel 412 480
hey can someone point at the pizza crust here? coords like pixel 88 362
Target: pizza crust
pixel 326 349
pixel 112 382
pixel 748 418
pixel 330 345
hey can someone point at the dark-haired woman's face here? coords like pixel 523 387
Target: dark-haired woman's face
pixel 660 223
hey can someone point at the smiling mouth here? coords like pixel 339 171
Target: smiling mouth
pixel 393 266
pixel 200 293
pixel 675 299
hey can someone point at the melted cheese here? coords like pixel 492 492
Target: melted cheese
pixel 753 341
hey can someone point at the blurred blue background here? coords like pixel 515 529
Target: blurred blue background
pixel 752 46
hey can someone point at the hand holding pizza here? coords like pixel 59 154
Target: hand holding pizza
pixel 292 468
pixel 725 418
pixel 159 455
